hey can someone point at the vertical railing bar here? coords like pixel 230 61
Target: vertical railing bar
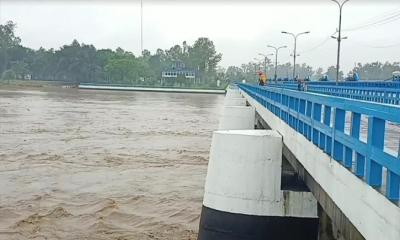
pixel 339 122
pixel 376 135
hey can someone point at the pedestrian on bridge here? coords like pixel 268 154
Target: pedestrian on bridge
pixel 262 79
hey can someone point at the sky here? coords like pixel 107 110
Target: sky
pixel 240 30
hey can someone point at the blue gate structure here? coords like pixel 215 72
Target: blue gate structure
pixel 381 92
pixel 324 119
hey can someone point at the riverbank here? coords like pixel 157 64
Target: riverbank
pixel 18 84
pixel 152 89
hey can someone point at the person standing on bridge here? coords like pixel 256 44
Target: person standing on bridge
pixel 262 79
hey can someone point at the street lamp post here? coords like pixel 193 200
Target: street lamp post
pixel 276 58
pixel 339 38
pixel 294 50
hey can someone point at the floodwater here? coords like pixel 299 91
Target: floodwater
pixel 97 165
pixel 103 165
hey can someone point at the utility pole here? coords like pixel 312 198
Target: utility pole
pixel 141 26
pixel 276 58
pixel 294 49
pixel 339 38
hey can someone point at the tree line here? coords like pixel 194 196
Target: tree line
pixel 79 62
pixel 368 71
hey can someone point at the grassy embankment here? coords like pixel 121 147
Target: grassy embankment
pixel 32 83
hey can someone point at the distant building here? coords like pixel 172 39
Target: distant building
pixel 177 69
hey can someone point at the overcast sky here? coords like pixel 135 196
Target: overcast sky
pixel 240 30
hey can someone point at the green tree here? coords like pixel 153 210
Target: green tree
pixel 234 73
pixel 121 70
pixel 376 70
pixel 331 73
pixel 204 57
pixel 8 41
pixel 20 69
pixel 8 75
pixel 319 74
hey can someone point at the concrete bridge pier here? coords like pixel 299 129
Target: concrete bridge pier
pixel 243 197
pixel 235 101
pixel 236 115
pixel 234 98
pixel 237 118
pixel 233 93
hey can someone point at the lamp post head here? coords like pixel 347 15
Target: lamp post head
pixel 303 33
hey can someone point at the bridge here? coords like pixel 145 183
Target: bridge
pixel 376 91
pixel 342 142
pixel 363 180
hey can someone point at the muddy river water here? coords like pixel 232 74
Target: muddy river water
pixel 78 164
pixel 103 165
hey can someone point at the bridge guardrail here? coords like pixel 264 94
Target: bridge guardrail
pixel 375 94
pixel 322 119
pixel 377 84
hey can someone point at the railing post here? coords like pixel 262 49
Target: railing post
pixel 355 133
pixel 308 114
pixel 393 183
pixel 302 110
pixel 393 186
pixel 316 117
pixel 376 139
pixel 327 122
pixel 296 120
pixel 340 115
pixel 291 108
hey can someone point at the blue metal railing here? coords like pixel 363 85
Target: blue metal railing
pixel 322 120
pixel 382 94
pixel 384 84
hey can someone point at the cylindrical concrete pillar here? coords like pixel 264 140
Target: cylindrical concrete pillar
pixel 233 93
pixel 237 118
pixel 242 196
pixel 244 172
